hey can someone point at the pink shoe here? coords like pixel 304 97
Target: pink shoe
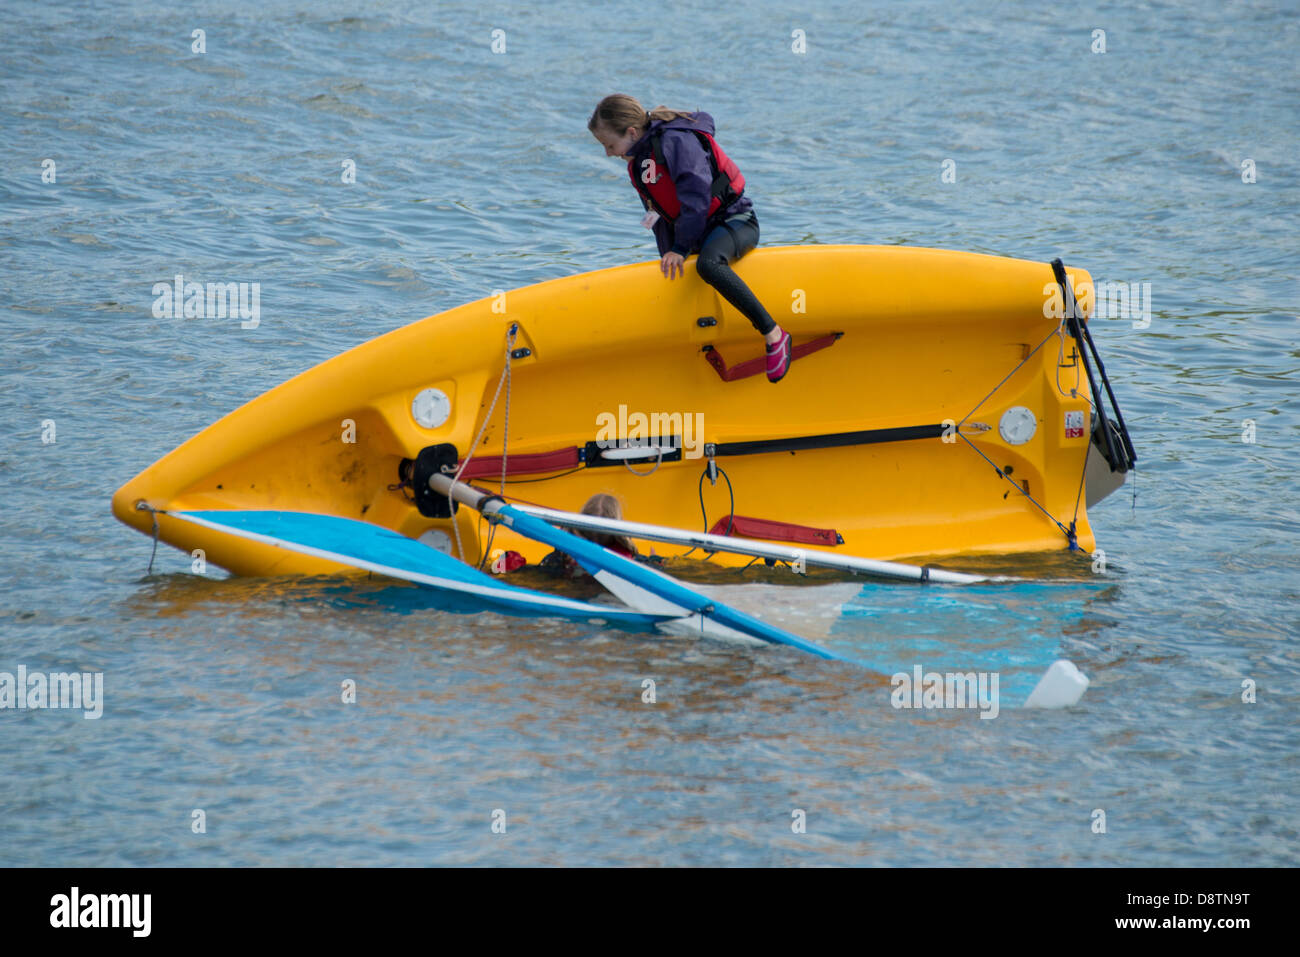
pixel 778 358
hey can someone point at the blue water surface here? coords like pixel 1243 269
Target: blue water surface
pixel 475 171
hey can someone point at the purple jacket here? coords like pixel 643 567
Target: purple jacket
pixel 688 165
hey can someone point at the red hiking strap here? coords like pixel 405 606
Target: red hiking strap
pixel 488 465
pixel 743 370
pixel 771 531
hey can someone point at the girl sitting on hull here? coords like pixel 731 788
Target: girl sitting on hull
pixel 694 200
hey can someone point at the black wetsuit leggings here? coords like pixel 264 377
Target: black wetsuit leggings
pixel 723 245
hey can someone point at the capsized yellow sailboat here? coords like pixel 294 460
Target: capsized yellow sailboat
pixel 940 404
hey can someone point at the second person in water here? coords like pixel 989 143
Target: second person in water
pixel 694 200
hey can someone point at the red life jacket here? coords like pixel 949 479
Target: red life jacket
pixel 661 194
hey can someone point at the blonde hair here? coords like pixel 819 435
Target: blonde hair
pixel 602 505
pixel 616 112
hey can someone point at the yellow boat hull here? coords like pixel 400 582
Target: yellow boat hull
pixel 928 336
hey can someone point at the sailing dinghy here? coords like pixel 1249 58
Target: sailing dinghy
pixel 940 404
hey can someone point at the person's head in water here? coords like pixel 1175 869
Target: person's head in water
pixel 606 506
pixel 620 120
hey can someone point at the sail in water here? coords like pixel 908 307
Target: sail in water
pixel 385 552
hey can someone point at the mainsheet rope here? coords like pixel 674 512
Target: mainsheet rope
pixel 143 506
pixel 504 380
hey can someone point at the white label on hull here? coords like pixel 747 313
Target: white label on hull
pixel 1074 424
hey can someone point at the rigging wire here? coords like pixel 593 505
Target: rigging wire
pixel 1068 532
pixel 1005 378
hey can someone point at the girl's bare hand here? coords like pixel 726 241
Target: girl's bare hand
pixel 673 265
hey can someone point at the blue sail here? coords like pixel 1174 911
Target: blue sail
pixel 381 550
pixel 1014 629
